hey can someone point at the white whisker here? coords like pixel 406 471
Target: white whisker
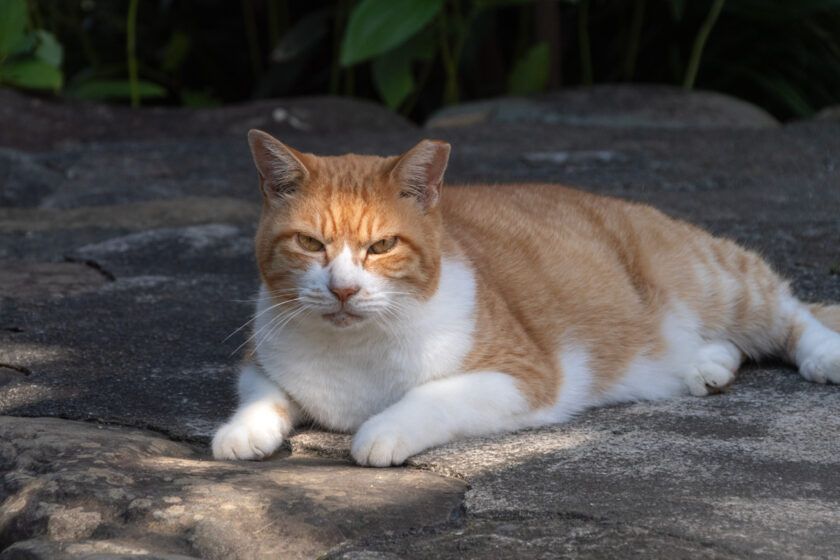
pixel 255 317
pixel 280 325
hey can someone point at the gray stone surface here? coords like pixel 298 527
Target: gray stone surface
pixel 74 489
pixel 619 106
pixel 126 261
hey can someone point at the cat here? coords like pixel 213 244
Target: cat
pixel 412 316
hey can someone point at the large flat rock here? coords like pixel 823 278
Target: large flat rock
pixel 749 473
pixel 126 268
pixel 72 489
pixel 615 106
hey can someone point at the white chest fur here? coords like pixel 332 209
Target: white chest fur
pixel 343 376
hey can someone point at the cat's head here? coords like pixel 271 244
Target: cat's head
pixel 349 240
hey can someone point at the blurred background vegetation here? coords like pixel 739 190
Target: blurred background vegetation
pixel 419 55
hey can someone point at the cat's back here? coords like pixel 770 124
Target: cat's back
pixel 542 218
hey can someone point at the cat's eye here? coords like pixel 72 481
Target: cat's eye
pixel 309 243
pixel 382 246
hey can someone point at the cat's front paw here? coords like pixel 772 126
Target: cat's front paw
pixel 381 442
pixel 254 432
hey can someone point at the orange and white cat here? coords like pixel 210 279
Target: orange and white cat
pixel 413 317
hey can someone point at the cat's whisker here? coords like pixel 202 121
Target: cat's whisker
pixel 255 317
pixel 263 297
pixel 399 309
pixel 278 318
pixel 256 334
pixel 279 325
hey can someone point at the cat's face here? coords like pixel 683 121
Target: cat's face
pixel 349 240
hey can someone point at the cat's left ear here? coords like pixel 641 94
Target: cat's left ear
pixel 420 171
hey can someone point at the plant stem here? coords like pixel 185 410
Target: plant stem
pixel 273 24
pixel 547 29
pixel 583 43
pixel 450 63
pixel 131 52
pixel 451 54
pixel 339 21
pixel 635 39
pixel 253 37
pixel 700 43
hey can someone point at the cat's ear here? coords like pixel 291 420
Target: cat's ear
pixel 280 167
pixel 419 171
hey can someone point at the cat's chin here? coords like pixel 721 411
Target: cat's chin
pixel 343 318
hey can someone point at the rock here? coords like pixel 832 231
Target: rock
pixel 727 476
pixel 533 538
pixel 26 280
pixel 23 180
pixel 830 113
pixel 186 211
pixel 74 490
pixel 41 549
pixel 67 123
pixel 619 106
pixel 130 264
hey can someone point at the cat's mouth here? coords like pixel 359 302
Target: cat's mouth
pixel 343 318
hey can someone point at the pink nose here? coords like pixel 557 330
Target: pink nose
pixel 345 292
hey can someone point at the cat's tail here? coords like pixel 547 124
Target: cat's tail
pixel 828 315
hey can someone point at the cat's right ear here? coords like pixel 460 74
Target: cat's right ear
pixel 280 167
pixel 420 171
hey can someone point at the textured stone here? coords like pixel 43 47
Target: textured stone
pixel 68 122
pixel 533 538
pixel 619 106
pixel 23 180
pixel 74 490
pixel 133 216
pixel 742 472
pixel 128 246
pixel 25 280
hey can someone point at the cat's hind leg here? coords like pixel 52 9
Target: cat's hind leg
pixel 714 368
pixel 814 347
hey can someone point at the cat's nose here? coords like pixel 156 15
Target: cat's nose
pixel 344 293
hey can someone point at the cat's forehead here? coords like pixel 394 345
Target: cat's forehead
pixel 349 167
pixel 351 180
pixel 345 212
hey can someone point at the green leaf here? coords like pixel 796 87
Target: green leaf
pixel 392 71
pixel 304 35
pixel 12 24
pixel 31 74
pixel 49 49
pixel 25 46
pixel 392 77
pixel 98 90
pixel 530 73
pixel 176 51
pixel 376 26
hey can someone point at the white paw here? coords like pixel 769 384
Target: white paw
pixel 254 432
pixel 714 368
pixel 823 362
pixel 382 442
